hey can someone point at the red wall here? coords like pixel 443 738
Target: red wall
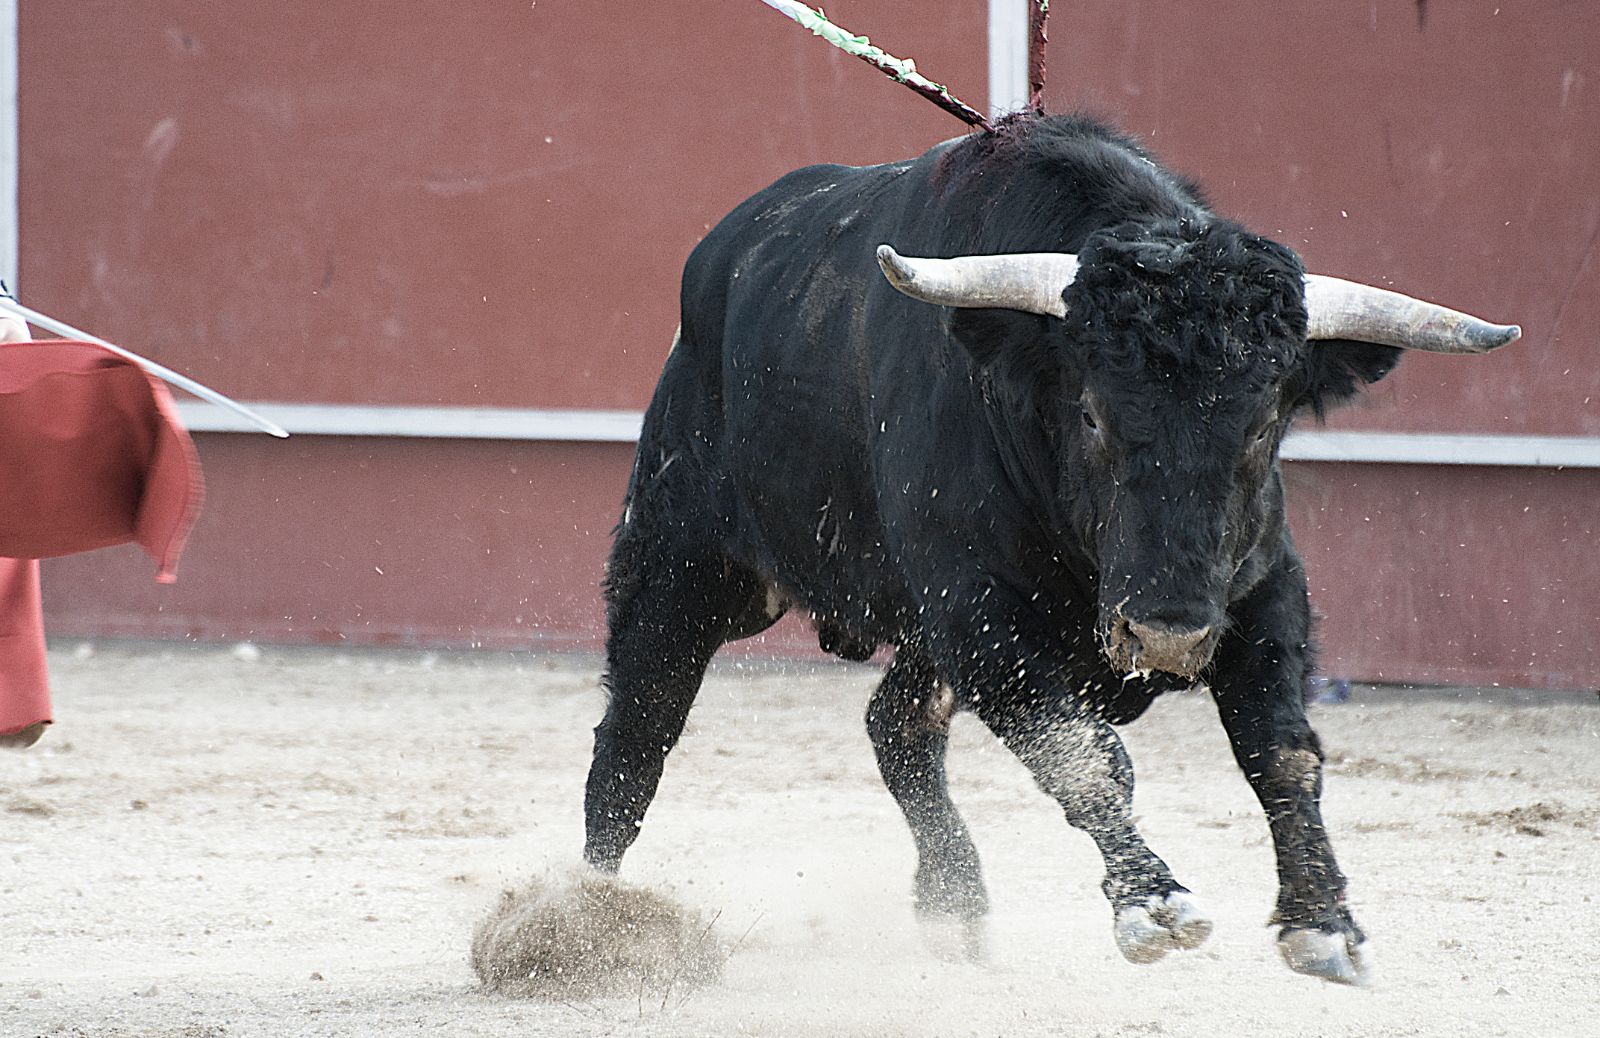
pixel 426 203
pixel 1453 151
pixel 371 541
pixel 1452 574
pixel 429 202
pixel 488 204
pixel 1449 149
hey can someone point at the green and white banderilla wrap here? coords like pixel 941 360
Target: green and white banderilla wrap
pixel 902 70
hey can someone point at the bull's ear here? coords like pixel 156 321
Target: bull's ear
pixel 1341 368
pixel 991 335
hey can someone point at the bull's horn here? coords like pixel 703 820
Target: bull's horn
pixel 1028 281
pixel 1340 309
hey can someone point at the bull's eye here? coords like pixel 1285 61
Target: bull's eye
pixel 1089 422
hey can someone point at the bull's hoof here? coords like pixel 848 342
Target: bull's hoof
pixel 1338 957
pixel 955 938
pixel 1147 931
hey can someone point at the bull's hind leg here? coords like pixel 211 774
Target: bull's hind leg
pixel 908 719
pixel 671 608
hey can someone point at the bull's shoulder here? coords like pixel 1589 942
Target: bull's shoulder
pixel 797 205
pixel 782 233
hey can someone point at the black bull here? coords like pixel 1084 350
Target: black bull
pixel 1054 500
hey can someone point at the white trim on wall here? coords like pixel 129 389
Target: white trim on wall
pixel 600 426
pixel 9 153
pixel 1404 448
pixel 448 423
pixel 1008 56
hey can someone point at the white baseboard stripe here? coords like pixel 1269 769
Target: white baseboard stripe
pixel 1559 452
pixel 506 423
pixel 9 143
pixel 447 423
pixel 1008 56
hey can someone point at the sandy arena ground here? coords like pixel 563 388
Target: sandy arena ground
pixel 300 844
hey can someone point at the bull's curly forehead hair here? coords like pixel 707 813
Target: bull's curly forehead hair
pixel 1188 297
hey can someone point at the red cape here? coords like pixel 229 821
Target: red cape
pixel 91 454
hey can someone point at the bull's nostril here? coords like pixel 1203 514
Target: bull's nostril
pixel 1167 644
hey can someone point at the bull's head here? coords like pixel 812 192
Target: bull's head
pixel 1174 356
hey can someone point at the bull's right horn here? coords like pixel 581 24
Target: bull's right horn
pixel 1029 281
pixel 1340 309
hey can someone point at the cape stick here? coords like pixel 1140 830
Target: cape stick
pixel 899 69
pixel 164 374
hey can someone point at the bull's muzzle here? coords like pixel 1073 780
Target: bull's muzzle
pixel 1136 646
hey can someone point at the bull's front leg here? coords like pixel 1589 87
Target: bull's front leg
pixel 1078 760
pixel 1259 683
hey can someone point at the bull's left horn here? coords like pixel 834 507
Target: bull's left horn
pixel 1340 309
pixel 1029 281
